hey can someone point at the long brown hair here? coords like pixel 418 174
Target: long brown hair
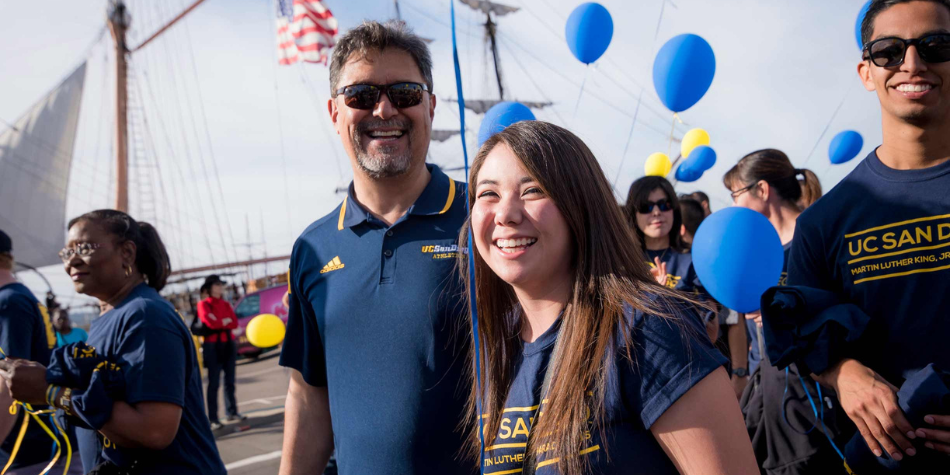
pixel 774 167
pixel 609 273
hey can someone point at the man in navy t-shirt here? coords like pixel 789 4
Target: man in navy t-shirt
pixel 375 333
pixel 25 332
pixel 881 237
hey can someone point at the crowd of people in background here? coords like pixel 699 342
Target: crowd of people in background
pixel 525 322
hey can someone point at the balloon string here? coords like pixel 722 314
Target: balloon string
pixel 623 156
pixel 669 147
pixel 580 94
pixel 471 250
pixel 828 125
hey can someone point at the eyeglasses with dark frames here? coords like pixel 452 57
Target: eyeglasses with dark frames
pixel 84 249
pixel 402 95
pixel 890 52
pixel 735 194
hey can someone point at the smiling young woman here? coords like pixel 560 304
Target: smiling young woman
pixel 588 364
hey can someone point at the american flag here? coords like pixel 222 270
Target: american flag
pixel 306 30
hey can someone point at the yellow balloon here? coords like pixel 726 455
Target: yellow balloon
pixel 265 330
pixel 658 164
pixel 694 138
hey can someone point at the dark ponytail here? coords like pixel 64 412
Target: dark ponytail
pixel 811 188
pixel 773 167
pixel 151 258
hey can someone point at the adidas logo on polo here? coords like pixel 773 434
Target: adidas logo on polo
pixel 335 264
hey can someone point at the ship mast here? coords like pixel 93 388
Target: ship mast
pixel 119 20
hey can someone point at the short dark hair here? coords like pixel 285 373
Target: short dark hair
pixel 151 258
pixel 693 214
pixel 372 36
pixel 878 6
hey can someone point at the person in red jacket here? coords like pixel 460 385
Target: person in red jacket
pixel 218 349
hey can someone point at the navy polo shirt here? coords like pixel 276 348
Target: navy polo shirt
pixel 376 316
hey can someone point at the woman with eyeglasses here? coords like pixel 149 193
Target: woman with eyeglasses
pixel 778 414
pixel 156 423
pixel 588 364
pixel 653 211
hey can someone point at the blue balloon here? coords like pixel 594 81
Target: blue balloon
pixel 686 174
pixel 845 146
pixel 502 115
pixel 683 71
pixel 737 256
pixel 857 24
pixel 588 31
pixel 702 158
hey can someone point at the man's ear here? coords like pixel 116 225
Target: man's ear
pixel 864 72
pixel 334 112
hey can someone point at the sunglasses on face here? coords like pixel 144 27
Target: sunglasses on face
pixel 890 52
pixel 647 207
pixel 365 96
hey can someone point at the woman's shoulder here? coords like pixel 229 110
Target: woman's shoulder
pixel 150 310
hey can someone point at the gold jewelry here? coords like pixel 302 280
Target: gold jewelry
pixel 65 401
pixel 128 271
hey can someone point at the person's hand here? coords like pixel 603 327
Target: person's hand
pixel 26 380
pixel 937 439
pixel 226 321
pixel 659 272
pixel 739 383
pixel 211 316
pixel 756 315
pixel 871 403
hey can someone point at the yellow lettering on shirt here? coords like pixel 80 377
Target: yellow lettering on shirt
pixel 520 428
pixel 505 430
pixel 889 241
pixel 943 231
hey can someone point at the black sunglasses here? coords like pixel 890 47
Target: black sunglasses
pixel 647 206
pixel 365 96
pixel 890 52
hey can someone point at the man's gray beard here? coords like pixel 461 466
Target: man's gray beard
pixel 382 165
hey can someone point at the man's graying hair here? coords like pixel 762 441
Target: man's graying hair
pixel 373 36
pixel 878 6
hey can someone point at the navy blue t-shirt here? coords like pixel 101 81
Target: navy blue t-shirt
pixel 147 338
pixel 376 318
pixel 680 274
pixel 755 357
pixel 25 332
pixel 670 358
pixel 881 240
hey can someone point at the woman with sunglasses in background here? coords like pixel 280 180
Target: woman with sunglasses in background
pixel 778 415
pixel 588 365
pixel 653 211
pixel 157 425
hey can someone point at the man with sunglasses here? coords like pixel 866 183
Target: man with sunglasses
pixel 881 238
pixel 375 333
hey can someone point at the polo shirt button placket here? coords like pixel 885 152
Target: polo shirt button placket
pixel 388 253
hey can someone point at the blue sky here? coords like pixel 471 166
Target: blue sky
pixel 783 67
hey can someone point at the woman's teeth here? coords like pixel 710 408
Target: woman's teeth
pixel 514 245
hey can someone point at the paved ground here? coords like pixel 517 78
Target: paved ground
pixel 253 446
